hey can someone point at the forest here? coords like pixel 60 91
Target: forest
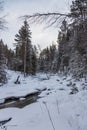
pixel 44 88
pixel 69 56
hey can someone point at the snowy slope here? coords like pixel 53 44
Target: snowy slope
pixel 67 112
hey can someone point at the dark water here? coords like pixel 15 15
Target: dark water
pixel 16 102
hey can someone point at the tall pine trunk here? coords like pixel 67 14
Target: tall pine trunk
pixel 25 60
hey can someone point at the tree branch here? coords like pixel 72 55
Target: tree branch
pixel 2 18
pixel 50 18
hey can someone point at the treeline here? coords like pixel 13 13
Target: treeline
pixel 6 56
pixel 72 38
pixel 68 57
pixel 26 57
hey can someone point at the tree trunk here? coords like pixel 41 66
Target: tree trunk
pixel 25 61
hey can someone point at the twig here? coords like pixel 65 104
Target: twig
pixel 40 107
pixel 6 126
pixel 57 106
pixel 49 115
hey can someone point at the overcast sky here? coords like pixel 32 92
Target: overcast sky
pixel 17 8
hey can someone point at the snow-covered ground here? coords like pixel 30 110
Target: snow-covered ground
pixel 57 109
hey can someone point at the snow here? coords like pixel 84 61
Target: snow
pixel 67 112
pixel 2 101
pixel 21 99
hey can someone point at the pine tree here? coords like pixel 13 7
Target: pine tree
pixel 63 48
pixel 53 57
pixel 3 78
pixel 34 60
pixel 47 59
pixel 79 10
pixel 24 49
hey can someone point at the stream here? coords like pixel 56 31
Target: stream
pixel 20 102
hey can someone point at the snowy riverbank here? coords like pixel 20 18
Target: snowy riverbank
pixel 67 111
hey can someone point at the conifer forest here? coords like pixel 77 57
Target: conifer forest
pixel 47 85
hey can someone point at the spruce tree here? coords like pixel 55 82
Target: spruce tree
pixel 24 49
pixel 34 60
pixel 3 78
pixel 79 10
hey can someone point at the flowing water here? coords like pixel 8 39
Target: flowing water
pixel 20 102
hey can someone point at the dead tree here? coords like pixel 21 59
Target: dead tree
pixel 17 80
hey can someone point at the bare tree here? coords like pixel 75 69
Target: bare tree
pixel 2 18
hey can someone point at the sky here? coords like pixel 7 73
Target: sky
pixel 40 35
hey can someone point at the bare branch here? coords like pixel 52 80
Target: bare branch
pixel 1 5
pixel 3 22
pixel 45 14
pixel 2 18
pixel 50 18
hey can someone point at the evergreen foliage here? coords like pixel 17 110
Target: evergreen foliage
pixel 47 59
pixel 25 54
pixel 72 51
pixel 69 57
pixel 3 78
